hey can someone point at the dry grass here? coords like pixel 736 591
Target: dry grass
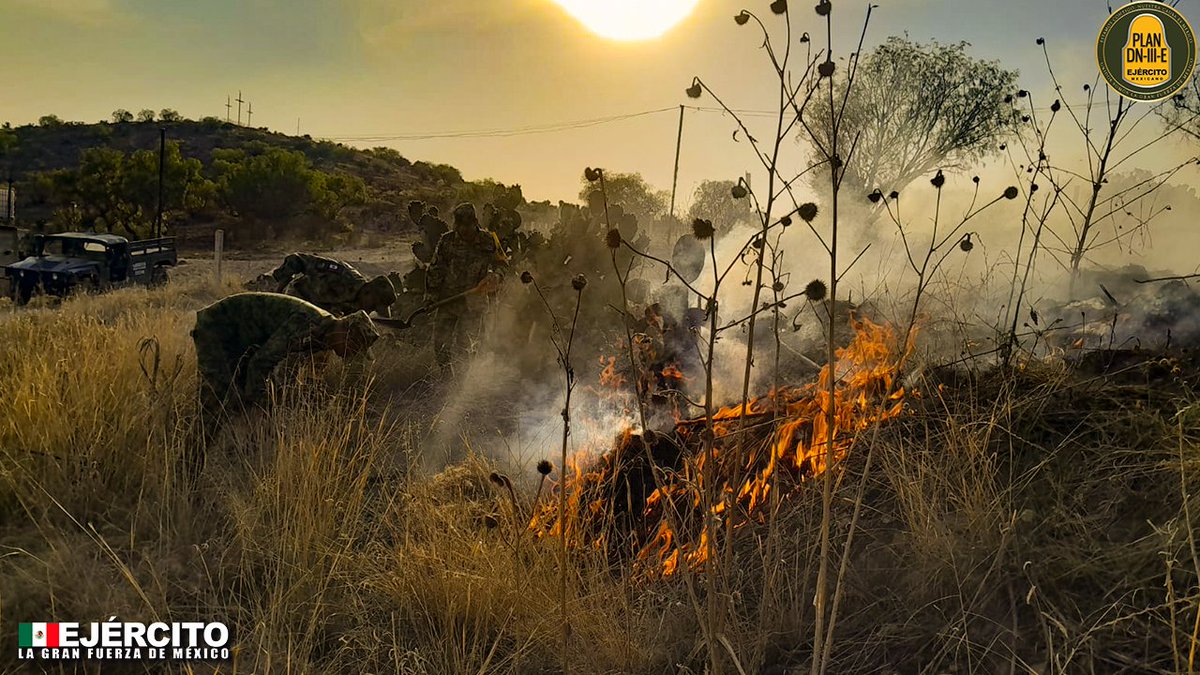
pixel 1024 522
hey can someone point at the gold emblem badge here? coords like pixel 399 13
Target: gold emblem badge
pixel 1146 51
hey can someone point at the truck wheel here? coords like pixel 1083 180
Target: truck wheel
pixel 21 293
pixel 159 276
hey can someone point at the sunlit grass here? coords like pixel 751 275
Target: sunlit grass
pixel 1016 522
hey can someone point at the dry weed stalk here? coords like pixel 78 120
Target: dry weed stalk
pixel 563 344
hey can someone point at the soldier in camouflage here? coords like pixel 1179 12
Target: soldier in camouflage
pixel 242 338
pixel 465 258
pixel 333 285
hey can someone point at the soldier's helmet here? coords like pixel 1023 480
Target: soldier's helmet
pixel 376 295
pixel 464 214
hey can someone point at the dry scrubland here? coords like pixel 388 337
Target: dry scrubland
pixel 1032 521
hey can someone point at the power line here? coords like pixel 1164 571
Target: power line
pixel 501 133
pixel 575 124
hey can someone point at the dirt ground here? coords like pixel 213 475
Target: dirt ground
pixel 246 265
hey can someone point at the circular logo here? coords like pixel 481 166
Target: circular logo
pixel 1146 51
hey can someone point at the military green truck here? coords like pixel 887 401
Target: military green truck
pixel 71 262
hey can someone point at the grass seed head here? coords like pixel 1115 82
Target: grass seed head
pixel 613 238
pixel 807 211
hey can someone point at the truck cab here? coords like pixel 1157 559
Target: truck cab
pixel 74 261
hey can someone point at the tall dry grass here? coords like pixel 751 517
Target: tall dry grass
pixel 312 533
pixel 1028 521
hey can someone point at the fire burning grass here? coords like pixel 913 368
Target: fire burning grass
pixel 1034 519
pixel 647 497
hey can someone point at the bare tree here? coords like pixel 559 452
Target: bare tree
pixel 1184 110
pixel 919 107
pixel 713 200
pixel 1111 133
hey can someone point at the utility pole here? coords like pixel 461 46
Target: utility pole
pixel 9 208
pixel 228 106
pixel 249 113
pixel 239 102
pixel 162 165
pixel 218 252
pixel 297 126
pixel 678 145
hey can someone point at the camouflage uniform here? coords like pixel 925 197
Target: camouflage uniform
pixel 333 285
pixel 459 264
pixel 242 338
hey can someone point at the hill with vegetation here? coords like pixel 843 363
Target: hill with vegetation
pixel 255 183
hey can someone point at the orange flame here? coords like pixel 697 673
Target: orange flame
pixel 778 441
pixel 610 376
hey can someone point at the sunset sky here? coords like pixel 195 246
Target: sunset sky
pixel 351 69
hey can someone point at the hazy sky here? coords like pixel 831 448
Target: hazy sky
pixel 354 68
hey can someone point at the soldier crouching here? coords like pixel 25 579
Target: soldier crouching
pixel 241 339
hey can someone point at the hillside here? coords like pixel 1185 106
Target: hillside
pixel 46 162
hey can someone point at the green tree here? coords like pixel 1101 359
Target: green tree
pixel 119 192
pixel 8 141
pixel 336 191
pixel 50 121
pixel 121 115
pixel 633 193
pixel 169 115
pixel 185 190
pixel 443 174
pixel 98 186
pixel 145 115
pixel 272 186
pixel 713 200
pixel 390 155
pixel 918 107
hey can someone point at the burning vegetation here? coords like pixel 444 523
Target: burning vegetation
pixel 644 498
pixel 1018 497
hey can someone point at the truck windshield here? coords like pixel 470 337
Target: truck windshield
pixel 78 248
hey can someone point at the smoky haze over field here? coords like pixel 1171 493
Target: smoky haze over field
pixel 383 68
pixel 459 86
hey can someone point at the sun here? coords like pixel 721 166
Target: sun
pixel 629 20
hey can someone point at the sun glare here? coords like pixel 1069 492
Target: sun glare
pixel 629 20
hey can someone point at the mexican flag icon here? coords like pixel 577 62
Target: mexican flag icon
pixel 39 634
